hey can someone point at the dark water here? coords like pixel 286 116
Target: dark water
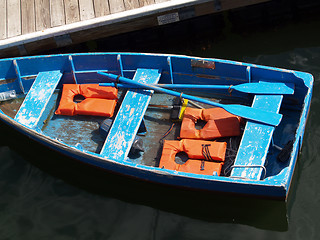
pixel 47 196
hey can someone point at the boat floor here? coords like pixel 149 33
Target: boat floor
pixel 83 132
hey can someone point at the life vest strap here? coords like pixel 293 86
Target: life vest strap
pixel 205 157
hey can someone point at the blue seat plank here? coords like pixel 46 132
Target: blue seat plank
pixel 256 140
pixel 37 98
pixel 127 122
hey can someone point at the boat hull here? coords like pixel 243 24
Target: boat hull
pixel 271 186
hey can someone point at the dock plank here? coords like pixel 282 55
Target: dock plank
pixel 3 19
pixel 13 18
pixel 101 7
pixel 146 2
pixel 55 18
pixel 57 13
pixel 131 4
pixel 129 117
pixel 42 14
pixel 28 19
pixel 86 9
pixel 116 6
pixel 72 11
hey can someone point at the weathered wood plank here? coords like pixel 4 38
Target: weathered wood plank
pixel 42 12
pixel 72 11
pixel 160 1
pixel 28 19
pixel 86 9
pixel 37 98
pixel 146 2
pixel 131 4
pixel 3 19
pixel 116 6
pixel 57 13
pixel 13 18
pixel 101 7
pixel 129 117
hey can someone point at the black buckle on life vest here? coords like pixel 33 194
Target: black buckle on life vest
pixel 202 165
pixel 206 154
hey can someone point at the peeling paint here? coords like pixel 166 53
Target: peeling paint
pixel 256 141
pixel 129 117
pixel 37 98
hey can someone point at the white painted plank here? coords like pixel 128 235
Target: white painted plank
pixel 72 11
pixel 108 20
pixel 86 9
pixel 57 13
pixel 42 12
pixel 116 6
pixel 13 18
pixel 28 19
pixel 101 7
pixel 3 19
pixel 131 4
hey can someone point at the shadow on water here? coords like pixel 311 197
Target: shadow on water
pixel 211 207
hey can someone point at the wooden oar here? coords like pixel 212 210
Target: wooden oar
pixel 254 114
pixel 253 88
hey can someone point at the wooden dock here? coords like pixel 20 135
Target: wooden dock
pixel 31 26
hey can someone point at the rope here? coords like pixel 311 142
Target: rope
pixel 167 133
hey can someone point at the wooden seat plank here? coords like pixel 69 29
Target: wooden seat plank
pixel 254 146
pixel 127 122
pixel 37 98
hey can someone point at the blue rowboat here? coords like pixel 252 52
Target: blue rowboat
pixel 271 106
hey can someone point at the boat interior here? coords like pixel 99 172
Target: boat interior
pixel 142 120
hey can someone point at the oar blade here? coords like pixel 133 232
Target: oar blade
pixel 255 114
pixel 265 88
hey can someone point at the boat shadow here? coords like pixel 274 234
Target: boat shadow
pixel 265 214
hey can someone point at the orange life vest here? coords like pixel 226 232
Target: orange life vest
pixel 99 101
pixel 220 123
pixel 205 157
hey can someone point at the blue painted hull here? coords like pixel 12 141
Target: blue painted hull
pixel 270 179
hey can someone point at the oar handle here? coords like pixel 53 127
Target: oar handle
pixel 158 89
pixel 254 114
pixel 251 88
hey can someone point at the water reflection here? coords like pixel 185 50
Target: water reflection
pixel 80 179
